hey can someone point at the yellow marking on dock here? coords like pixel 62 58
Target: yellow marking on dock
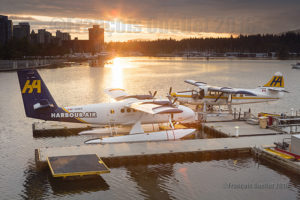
pixel 280 154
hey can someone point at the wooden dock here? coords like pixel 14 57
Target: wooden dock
pixel 110 152
pixel 228 129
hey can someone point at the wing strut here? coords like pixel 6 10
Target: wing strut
pixel 137 128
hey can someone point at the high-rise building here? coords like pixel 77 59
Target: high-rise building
pixel 6 29
pixel 96 37
pixel 21 31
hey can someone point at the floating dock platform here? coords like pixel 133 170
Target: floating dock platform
pixel 76 165
pixel 225 143
pixel 111 153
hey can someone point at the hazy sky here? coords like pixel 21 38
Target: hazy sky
pixel 140 19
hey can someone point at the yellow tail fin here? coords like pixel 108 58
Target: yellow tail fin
pixel 276 81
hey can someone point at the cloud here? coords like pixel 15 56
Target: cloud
pixel 233 16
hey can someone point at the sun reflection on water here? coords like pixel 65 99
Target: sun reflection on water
pixel 117 66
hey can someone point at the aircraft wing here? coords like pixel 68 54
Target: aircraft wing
pixel 196 83
pixel 278 90
pixel 153 108
pixel 116 93
pixel 227 90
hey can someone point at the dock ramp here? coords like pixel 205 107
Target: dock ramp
pixel 76 165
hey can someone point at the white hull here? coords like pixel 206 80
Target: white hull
pixel 145 137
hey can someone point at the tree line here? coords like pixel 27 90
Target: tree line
pixel 281 44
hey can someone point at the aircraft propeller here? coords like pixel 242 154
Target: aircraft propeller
pixel 154 94
pixel 170 91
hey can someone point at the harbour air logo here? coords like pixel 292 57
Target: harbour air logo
pixel 28 87
pixel 74 115
pixel 276 80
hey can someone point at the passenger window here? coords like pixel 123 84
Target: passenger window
pixel 122 110
pixel 128 110
pixel 134 110
pixel 112 111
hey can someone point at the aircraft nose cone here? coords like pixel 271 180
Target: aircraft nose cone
pixel 173 94
pixel 190 113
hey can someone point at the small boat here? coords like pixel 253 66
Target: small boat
pixel 296 66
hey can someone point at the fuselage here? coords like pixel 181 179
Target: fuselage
pixel 117 113
pixel 262 94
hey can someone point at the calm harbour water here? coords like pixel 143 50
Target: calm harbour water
pixel 236 178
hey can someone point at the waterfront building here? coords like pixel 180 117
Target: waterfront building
pixel 96 38
pixel 95 43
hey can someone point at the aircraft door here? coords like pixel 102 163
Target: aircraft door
pixel 201 94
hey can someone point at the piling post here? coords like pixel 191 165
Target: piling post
pixel 237 131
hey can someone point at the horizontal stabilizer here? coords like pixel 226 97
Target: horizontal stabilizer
pixel 116 93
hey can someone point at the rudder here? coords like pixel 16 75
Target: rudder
pixel 276 81
pixel 36 96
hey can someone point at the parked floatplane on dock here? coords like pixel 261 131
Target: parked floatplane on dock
pixel 207 95
pixel 128 110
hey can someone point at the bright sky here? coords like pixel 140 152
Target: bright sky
pixel 135 19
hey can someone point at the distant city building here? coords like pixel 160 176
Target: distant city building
pixel 94 44
pixel 63 36
pixel 96 37
pixel 6 29
pixel 44 37
pixel 33 37
pixel 21 31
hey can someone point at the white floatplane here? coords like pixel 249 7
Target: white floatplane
pixel 127 110
pixel 208 95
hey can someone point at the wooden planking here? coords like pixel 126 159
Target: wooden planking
pixel 228 128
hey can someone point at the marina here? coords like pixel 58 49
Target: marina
pixel 219 159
